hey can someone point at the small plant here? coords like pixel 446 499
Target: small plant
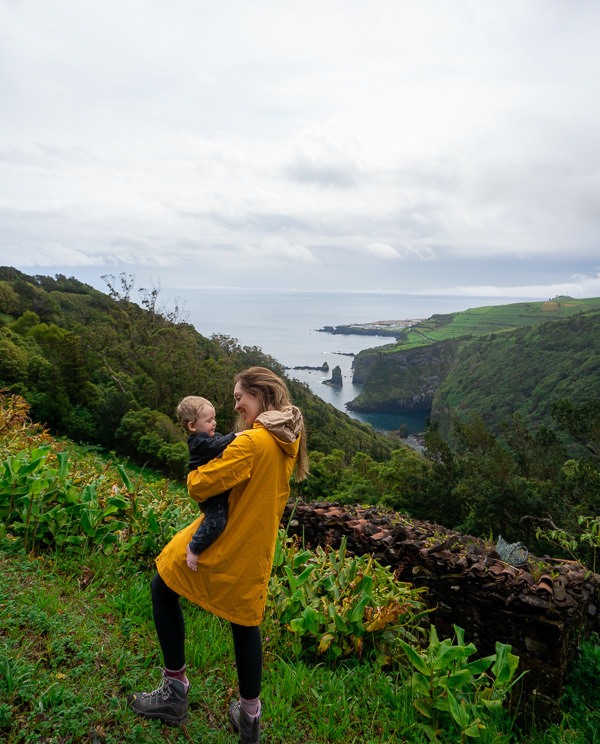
pixel 538 568
pixel 572 544
pixel 327 604
pixel 452 693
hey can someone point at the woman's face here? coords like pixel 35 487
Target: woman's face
pixel 248 406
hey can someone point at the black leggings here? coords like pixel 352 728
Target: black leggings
pixel 168 619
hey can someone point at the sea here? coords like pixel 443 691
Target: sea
pixel 285 324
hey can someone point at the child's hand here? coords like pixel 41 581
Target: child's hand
pixel 191 559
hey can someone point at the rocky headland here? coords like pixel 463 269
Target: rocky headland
pixel 376 328
pixel 323 368
pixel 401 381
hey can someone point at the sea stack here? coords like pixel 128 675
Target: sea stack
pixel 336 378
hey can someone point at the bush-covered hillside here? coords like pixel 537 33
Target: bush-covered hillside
pixel 491 362
pixel 105 369
pixel 523 371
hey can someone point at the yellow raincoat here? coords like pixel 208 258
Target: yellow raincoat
pixel 233 573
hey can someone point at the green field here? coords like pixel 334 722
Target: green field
pixel 480 321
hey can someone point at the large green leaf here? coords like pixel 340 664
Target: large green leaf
pixel 415 658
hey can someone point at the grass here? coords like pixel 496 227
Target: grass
pixel 480 321
pixel 76 636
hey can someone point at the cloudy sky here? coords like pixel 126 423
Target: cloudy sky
pixel 438 146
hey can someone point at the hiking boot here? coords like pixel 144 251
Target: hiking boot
pixel 247 727
pixel 169 702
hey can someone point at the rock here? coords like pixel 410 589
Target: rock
pixel 336 378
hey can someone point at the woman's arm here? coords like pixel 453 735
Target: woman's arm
pixel 233 467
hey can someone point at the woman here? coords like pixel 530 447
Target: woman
pixel 233 573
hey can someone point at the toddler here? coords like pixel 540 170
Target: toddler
pixel 197 416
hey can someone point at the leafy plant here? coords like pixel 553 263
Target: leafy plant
pixel 452 693
pixel 53 500
pixel 327 604
pixel 41 502
pixel 153 517
pixel 589 535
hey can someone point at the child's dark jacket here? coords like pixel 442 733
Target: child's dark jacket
pixel 203 448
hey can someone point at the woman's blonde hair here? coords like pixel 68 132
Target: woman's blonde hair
pixel 273 395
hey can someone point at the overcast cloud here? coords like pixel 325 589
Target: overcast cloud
pixel 439 146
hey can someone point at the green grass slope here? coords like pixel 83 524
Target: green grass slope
pixel 480 321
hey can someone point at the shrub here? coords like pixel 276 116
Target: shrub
pixel 329 605
pixel 453 694
pixel 51 498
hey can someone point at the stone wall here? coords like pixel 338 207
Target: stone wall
pixel 542 608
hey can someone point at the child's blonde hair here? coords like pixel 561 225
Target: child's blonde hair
pixel 188 409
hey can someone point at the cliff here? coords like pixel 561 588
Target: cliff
pixel 494 375
pixel 404 380
pixel 521 371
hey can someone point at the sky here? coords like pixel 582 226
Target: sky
pixel 435 147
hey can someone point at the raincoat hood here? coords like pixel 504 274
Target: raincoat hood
pixel 284 425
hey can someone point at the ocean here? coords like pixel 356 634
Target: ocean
pixel 284 323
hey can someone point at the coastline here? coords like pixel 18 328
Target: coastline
pixel 372 328
pixel 282 324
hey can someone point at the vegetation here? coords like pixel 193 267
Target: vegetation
pixel 492 362
pixel 349 654
pixel 76 633
pixel 55 496
pixel 493 375
pixel 481 321
pixel 523 483
pixel 105 370
pixel 456 695
pixel 330 605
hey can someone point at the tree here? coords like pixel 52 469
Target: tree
pixel 10 302
pixel 582 422
pixel 538 453
pixel 150 437
pixel 325 474
pixel 13 359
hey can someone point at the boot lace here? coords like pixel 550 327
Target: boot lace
pixel 163 690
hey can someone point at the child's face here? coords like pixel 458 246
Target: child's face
pixel 205 422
